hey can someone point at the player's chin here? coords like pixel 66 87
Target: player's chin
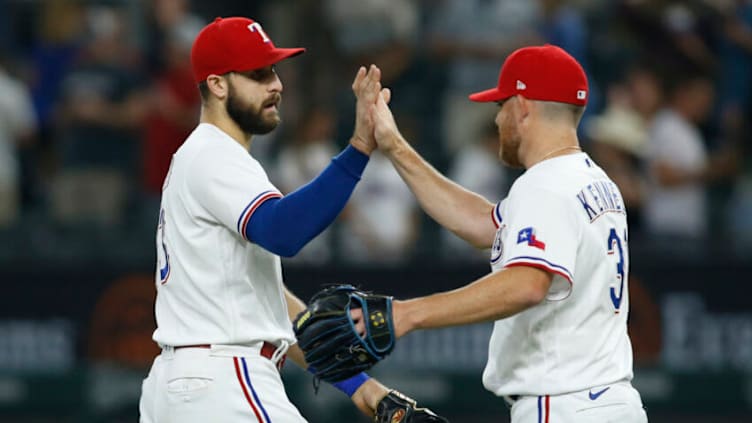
pixel 270 116
pixel 267 125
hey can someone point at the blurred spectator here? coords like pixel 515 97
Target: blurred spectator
pixel 472 37
pixel 674 33
pixel 679 165
pixel 175 109
pixel 101 114
pixel 376 31
pixel 645 91
pixel 381 220
pixel 477 168
pixel 564 25
pixel 619 141
pixel 18 125
pixel 384 32
pixel 60 34
pixel 301 160
pixel 689 26
pixel 735 79
pixel 166 20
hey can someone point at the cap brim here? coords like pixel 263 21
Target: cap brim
pixel 492 94
pixel 279 54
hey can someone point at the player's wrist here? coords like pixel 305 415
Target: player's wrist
pixel 395 146
pixel 368 396
pixel 361 144
pixel 351 385
pixel 348 386
pixel 404 319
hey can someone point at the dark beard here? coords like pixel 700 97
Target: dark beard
pixel 510 149
pixel 247 118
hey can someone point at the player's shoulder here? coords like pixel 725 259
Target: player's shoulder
pixel 560 177
pixel 210 146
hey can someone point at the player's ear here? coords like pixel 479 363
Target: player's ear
pixel 218 85
pixel 522 107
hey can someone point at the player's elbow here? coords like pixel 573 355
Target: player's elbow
pixel 538 283
pixel 279 244
pixel 534 295
pixel 288 250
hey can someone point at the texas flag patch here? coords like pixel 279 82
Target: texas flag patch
pixel 527 235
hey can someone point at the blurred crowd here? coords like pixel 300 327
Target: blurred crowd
pixel 96 95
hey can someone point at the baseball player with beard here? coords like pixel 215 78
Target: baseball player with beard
pixel 558 291
pixel 223 313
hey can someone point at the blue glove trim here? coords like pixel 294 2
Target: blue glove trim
pixel 368 342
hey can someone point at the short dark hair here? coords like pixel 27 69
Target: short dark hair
pixel 203 89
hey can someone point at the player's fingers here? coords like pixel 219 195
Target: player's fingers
pixel 360 328
pixel 382 101
pixel 356 314
pixel 373 80
pixel 375 73
pixel 359 78
pixel 357 317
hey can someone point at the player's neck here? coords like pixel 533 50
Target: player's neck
pixel 549 143
pixel 226 125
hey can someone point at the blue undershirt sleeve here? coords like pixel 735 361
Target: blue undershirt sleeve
pixel 285 225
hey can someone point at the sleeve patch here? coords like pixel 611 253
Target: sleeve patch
pixel 527 235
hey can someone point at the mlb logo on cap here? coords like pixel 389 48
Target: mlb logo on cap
pixel 545 73
pixel 234 44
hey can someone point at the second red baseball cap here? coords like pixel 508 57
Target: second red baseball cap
pixel 234 44
pixel 546 73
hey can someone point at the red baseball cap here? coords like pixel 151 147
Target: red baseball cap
pixel 234 44
pixel 546 73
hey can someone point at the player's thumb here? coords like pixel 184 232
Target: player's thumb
pixel 386 94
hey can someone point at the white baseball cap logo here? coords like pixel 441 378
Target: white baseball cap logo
pixel 521 85
pixel 581 94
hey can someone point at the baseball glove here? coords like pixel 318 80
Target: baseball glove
pixel 399 408
pixel 326 332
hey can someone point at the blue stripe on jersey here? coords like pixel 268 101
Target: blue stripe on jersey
pixel 242 214
pixel 540 410
pixel 496 215
pixel 552 265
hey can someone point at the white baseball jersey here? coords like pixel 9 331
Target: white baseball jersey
pixel 564 215
pixel 213 285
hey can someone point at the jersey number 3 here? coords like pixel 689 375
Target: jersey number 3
pixel 614 246
pixel 163 260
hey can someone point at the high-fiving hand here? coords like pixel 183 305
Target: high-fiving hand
pixel 367 89
pixel 385 130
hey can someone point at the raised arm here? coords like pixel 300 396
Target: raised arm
pixel 285 225
pixel 463 212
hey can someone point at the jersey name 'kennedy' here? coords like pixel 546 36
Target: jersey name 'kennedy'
pixel 601 196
